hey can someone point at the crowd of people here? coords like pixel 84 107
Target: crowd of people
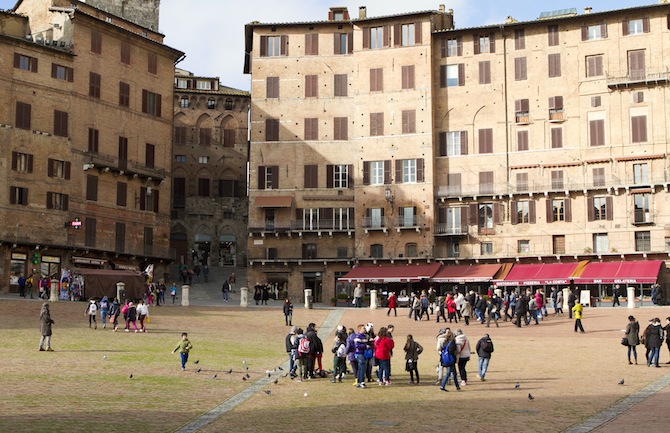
pixel 368 354
pixel 652 338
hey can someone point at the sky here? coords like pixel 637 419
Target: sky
pixel 211 32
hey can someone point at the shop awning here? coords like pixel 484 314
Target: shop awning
pixel 466 273
pixel 636 272
pixel 542 274
pixel 391 274
pixel 274 201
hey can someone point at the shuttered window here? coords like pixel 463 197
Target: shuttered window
pixel 638 129
pixel 23 115
pixel 340 85
pixel 486 140
pixel 519 39
pixel 376 124
pixel 124 94
pixel 597 132
pixel 311 86
pixel 554 65
pixel 94 82
pixel 408 77
pixel 92 187
pixel 409 121
pixel 271 129
pixel 312 44
pixel 520 69
pixel 522 140
pixel 311 176
pixel 272 87
pixel 152 63
pixel 594 65
pixel 376 80
pixel 485 72
pixel 60 123
pixel 311 128
pixel 552 35
pixel 340 128
pixel 556 138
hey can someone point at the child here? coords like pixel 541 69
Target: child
pixel 183 347
pixel 412 352
pixel 91 311
pixel 340 352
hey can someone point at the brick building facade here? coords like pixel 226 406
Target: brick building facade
pixel 87 140
pixel 402 140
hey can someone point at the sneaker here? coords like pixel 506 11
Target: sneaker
pixel 444 389
pixel 380 383
pixel 411 382
pixel 136 331
pixel 298 380
pixel 482 379
pixel 183 369
pixel 41 349
pixel 463 383
pixel 389 383
pixel 49 349
pixel 127 330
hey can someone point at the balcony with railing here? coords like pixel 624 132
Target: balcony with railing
pixel 408 222
pixel 447 229
pixel 320 226
pixel 105 163
pixel 370 224
pixel 637 77
pixel 269 227
pixel 642 217
pixel 556 116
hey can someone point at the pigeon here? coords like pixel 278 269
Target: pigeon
pixel 244 378
pixel 276 381
pixel 269 375
pixel 198 370
pixel 244 362
pixel 104 356
pixel 247 376
pixel 196 361
pixel 280 368
pixel 214 377
pixel 131 376
pixel 267 391
pixel 621 382
pixel 530 396
pixel 229 371
pixel 246 368
pixel 517 386
pixel 284 375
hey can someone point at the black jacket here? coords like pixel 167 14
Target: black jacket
pixel 484 347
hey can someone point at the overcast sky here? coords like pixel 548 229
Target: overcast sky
pixel 211 32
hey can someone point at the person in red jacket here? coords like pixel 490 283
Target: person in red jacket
pixel 383 347
pixel 393 304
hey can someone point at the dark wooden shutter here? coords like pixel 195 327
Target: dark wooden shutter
pixel 145 97
pixel 350 176
pixel 461 74
pixel 590 212
pixel 417 33
pixel 261 177
pixel 275 176
pixel 50 167
pixel 568 210
pixel 459 46
pixel 492 42
pixel 514 212
pixel 15 157
pixel 66 170
pixel 496 214
pixel 625 27
pixel 443 47
pixel 350 42
pixel 330 173
pixel 366 172
pixel 442 138
pixel 17 60
pixel 464 142
pixel 387 172
pixel 33 64
pixel 419 170
pixel 264 46
pixel 30 163
pixel 474 214
pixel 603 30
pixel 54 70
pixel 386 31
pixel 337 45
pixel 585 33
pixel 550 210
pixel 398 170
pixel 475 41
pixel 556 138
pixel 366 38
pixel 284 45
pixel 396 35
pixel 645 25
pixel 443 75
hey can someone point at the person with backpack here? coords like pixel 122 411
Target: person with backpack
pixel 104 311
pixel 301 354
pixel 412 352
pixel 448 359
pixel 339 355
pixel 132 317
pixel 484 350
pixel 361 343
pixel 114 312
pixel 224 290
pixel 91 312
pixel 425 304
pixel 290 349
pixel 443 336
pixel 416 308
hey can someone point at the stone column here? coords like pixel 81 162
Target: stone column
pixel 631 297
pixel 185 289
pixel 121 292
pixel 373 299
pixel 244 297
pixel 308 298
pixel 566 292
pixel 53 291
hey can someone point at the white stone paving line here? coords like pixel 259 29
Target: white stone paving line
pixel 328 326
pixel 612 412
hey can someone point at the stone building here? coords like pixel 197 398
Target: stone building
pixel 400 140
pixel 209 169
pixel 88 146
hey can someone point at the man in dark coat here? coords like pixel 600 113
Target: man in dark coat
pixel 521 310
pixel 45 328
pixel 571 301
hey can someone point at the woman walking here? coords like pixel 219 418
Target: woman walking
pixel 45 328
pixel 412 352
pixel 632 337
pixel 463 349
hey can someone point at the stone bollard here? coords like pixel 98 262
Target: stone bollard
pixel 53 291
pixel 631 297
pixel 121 292
pixel 184 295
pixel 244 297
pixel 373 299
pixel 308 298
pixel 566 292
pixel 498 293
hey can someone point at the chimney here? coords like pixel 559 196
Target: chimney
pixel 441 9
pixel 362 13
pixel 510 19
pixel 588 9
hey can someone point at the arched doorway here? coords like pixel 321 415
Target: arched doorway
pixel 227 250
pixel 202 249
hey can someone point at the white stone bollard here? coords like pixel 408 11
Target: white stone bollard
pixel 373 299
pixel 631 297
pixel 185 289
pixel 308 298
pixel 244 297
pixel 121 292
pixel 53 291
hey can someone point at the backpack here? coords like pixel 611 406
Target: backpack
pixel 341 351
pixel 446 358
pixel 303 346
pixel 424 302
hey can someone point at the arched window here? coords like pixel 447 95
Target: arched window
pixel 229 104
pixel 183 102
pixel 211 103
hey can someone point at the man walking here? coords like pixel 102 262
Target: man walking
pixel 358 295
pixel 577 311
pixel 484 350
pixel 224 289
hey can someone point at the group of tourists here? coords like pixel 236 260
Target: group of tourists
pixel 520 306
pixel 110 311
pixel 364 348
pixel 652 338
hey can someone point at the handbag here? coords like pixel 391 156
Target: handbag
pixel 368 353
pixel 624 341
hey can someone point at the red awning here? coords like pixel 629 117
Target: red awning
pixel 274 201
pixel 466 273
pixel 638 272
pixel 543 274
pixel 391 274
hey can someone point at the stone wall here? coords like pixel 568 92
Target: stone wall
pixel 142 12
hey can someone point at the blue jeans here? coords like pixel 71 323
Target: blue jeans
pixel 103 316
pixel 362 363
pixel 451 371
pixel 483 366
pixel 653 356
pixel 634 350
pixel 184 359
pixel 384 370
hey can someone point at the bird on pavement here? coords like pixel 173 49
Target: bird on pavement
pixel 517 386
pixel 198 370
pixel 269 375
pixel 229 371
pixel 247 376
pixel 276 381
pixel 196 361
pixel 244 378
pixel 621 382
pixel 530 397
pixel 267 391
pixel 280 368
pixel 131 376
